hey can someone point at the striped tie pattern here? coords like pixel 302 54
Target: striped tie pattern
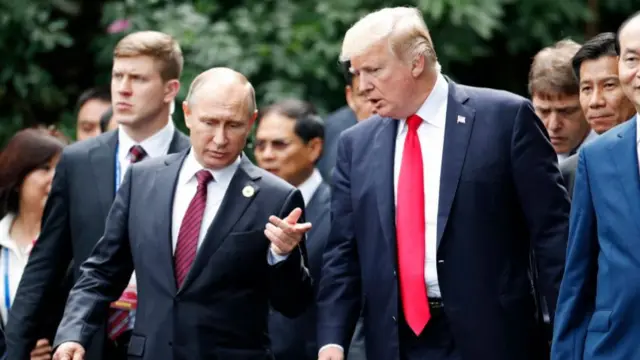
pixel 121 320
pixel 189 233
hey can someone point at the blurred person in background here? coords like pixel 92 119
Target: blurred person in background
pixel 357 109
pixel 602 99
pixel 27 166
pixel 144 82
pixel 555 95
pixel 289 140
pixel 92 105
pixel 108 121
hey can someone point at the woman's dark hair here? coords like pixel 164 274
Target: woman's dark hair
pixel 25 152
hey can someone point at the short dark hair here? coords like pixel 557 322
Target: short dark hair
pixel 97 93
pixel 309 125
pixel 105 119
pixel 622 26
pixel 601 45
pixel 26 151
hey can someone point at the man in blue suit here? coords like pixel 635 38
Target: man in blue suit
pixel 436 206
pixel 598 313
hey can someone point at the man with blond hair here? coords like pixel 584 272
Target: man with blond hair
pixel 144 82
pixel 555 96
pixel 437 202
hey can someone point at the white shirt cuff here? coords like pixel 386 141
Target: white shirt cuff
pixel 273 258
pixel 331 345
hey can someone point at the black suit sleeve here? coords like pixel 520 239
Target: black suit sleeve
pixel 568 171
pixel 103 276
pixel 291 286
pixel 37 299
pixel 543 199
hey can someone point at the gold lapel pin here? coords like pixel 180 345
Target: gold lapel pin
pixel 248 191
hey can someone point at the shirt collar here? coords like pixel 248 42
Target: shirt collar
pixel 309 186
pixel 5 230
pixel 155 145
pixel 191 166
pixel 437 98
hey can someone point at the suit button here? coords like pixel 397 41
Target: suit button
pixel 171 343
pixel 395 273
pixel 394 319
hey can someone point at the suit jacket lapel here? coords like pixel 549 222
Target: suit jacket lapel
pixel 624 154
pixel 233 206
pixel 383 153
pixel 163 187
pixel 459 123
pixel 103 161
pixel 179 142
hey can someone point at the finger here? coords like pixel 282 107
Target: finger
pixel 42 342
pixel 294 216
pixel 78 355
pixel 41 350
pixel 301 228
pixel 275 240
pixel 280 223
pixel 41 357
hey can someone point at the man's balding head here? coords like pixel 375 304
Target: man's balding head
pixel 219 111
pixel 224 82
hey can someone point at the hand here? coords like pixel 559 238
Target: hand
pixel 331 353
pixel 286 234
pixel 42 350
pixel 69 351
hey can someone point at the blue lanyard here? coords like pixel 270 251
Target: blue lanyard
pixel 7 291
pixel 118 170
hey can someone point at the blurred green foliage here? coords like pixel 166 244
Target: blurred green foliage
pixel 52 50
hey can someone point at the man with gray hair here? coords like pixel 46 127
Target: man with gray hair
pixel 193 226
pixel 437 202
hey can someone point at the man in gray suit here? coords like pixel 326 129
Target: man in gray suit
pixel 193 226
pixel 289 141
pixel 602 100
pixel 146 69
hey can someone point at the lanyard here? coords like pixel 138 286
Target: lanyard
pixel 118 170
pixel 7 292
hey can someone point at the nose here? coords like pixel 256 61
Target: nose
pixel 555 123
pixel 124 86
pixel 220 137
pixel 267 152
pixel 365 82
pixel 596 100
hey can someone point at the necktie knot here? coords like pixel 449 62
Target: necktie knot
pixel 136 153
pixel 414 122
pixel 204 177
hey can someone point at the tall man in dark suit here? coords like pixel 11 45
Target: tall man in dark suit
pixel 145 81
pixel 193 226
pixel 289 141
pixel 436 205
pixel 597 315
pixel 603 102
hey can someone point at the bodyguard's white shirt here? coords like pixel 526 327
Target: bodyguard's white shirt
pixel 431 134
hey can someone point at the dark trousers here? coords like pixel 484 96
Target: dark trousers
pixel 117 350
pixel 434 343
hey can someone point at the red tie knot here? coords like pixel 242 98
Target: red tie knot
pixel 414 122
pixel 204 176
pixel 136 153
